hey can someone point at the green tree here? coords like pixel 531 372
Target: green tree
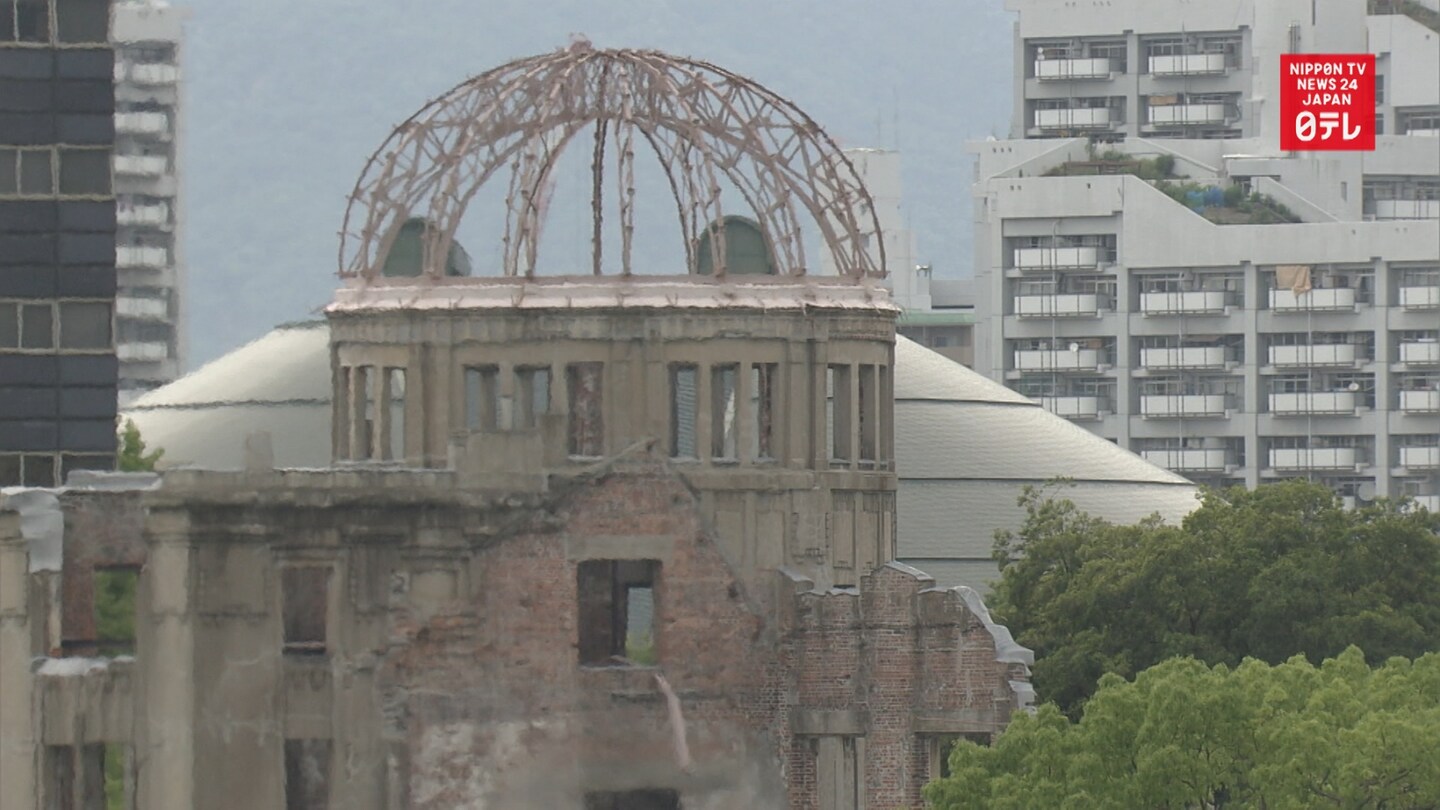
pixel 1184 735
pixel 1269 573
pixel 132 456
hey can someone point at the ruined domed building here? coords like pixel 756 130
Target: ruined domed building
pixel 621 538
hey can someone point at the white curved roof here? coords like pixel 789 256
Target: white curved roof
pixel 964 445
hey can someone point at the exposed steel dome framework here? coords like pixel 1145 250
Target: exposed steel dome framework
pixel 706 125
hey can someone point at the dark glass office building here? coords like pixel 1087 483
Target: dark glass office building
pixel 57 240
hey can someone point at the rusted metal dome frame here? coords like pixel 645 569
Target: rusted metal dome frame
pixel 703 123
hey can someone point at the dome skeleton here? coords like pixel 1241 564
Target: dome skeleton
pixel 705 125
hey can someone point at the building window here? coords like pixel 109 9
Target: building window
pixel 27 326
pixel 837 406
pixel 304 597
pixel 24 21
pixel 27 470
pixel 85 171
pixel 869 414
pixel 723 416
pixel 307 774
pixel 114 594
pixel 586 411
pixel 762 411
pixel 617 612
pixel 532 395
pixel 85 325
pixel 365 413
pixel 59 769
pixel 684 407
pixel 85 21
pixel 482 398
pixel 394 396
pixel 648 799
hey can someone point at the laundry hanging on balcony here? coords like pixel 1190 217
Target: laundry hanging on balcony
pixel 1294 276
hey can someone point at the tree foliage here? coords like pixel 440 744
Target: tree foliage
pixel 1184 735
pixel 1269 573
pixel 132 456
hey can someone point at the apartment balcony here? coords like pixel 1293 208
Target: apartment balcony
pixel 142 165
pixel 154 74
pixel 1423 133
pixel 1176 406
pixel 1420 401
pixel 1057 258
pixel 1420 353
pixel 151 309
pixel 132 256
pixel 1325 354
pixel 1192 64
pixel 1181 114
pixel 1073 118
pixel 1076 305
pixel 142 123
pixel 1183 303
pixel 1184 357
pixel 1205 460
pixel 1420 297
pixel 143 215
pixel 147 352
pixel 1407 209
pixel 1313 300
pixel 1430 502
pixel 1058 360
pixel 1315 402
pixel 1420 458
pixel 1048 70
pixel 1075 407
pixel 1314 458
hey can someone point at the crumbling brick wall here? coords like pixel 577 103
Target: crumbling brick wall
pixel 102 530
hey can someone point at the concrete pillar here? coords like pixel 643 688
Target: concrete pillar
pixel 17 741
pixel 166 720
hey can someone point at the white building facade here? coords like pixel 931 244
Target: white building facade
pixel 1150 265
pixel 150 342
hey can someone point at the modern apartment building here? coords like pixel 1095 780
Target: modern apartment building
pixel 150 342
pixel 57 240
pixel 1152 266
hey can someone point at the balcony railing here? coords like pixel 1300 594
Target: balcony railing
pixel 1057 359
pixel 131 256
pixel 1184 357
pixel 1420 458
pixel 1077 407
pixel 141 308
pixel 1314 402
pixel 1188 114
pixel 154 74
pixel 1325 354
pixel 1187 460
pixel 1183 303
pixel 1192 64
pixel 141 165
pixel 1431 502
pixel 1420 401
pixel 148 352
pixel 1313 300
pixel 1175 406
pixel 1314 458
pixel 1080 68
pixel 1407 209
pixel 1423 132
pixel 1055 258
pixel 1420 353
pixel 1420 297
pixel 142 123
pixel 1065 305
pixel 1073 118
pixel 154 215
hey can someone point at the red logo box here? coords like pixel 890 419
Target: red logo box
pixel 1327 101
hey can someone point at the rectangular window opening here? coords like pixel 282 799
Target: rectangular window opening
pixel 532 393
pixel 724 412
pixel 395 397
pixel 37 326
pixel 762 411
pixel 684 410
pixel 59 769
pixel 85 171
pixel 27 469
pixel 85 325
pixel 647 799
pixel 82 21
pixel 869 414
pixel 586 412
pixel 304 606
pixel 115 610
pixel 362 415
pixel 36 175
pixel 307 774
pixel 482 398
pixel 838 404
pixel 31 22
pixel 617 612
